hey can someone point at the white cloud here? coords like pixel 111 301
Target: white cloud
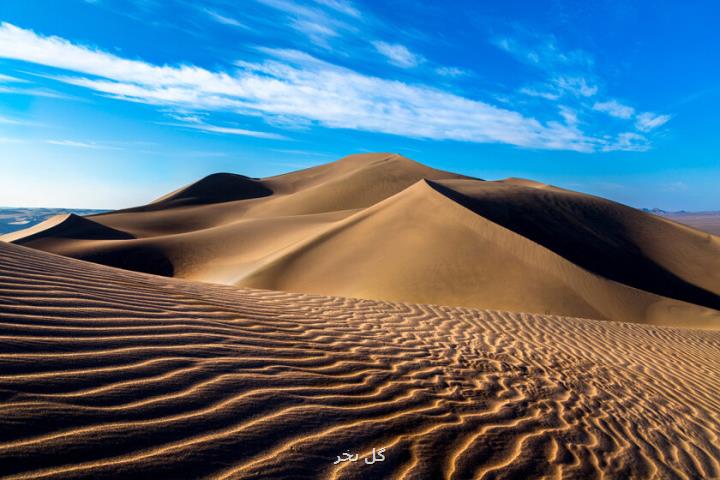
pixel 615 109
pixel 541 51
pixel 76 144
pixel 35 92
pixel 293 85
pixel 576 85
pixel 628 142
pixel 341 6
pixel 649 121
pixel 230 130
pixel 569 115
pixel 223 19
pixel 10 79
pixel 537 93
pixel 311 21
pixel 196 121
pixel 398 54
pixel 10 121
pixel 13 121
pixel 452 72
pixel 560 86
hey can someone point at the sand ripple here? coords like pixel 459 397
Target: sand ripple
pixel 106 373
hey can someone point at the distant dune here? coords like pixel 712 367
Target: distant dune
pixel 108 373
pixel 381 226
pixel 707 221
pixel 14 218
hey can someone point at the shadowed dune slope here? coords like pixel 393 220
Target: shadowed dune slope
pixel 615 241
pixel 106 373
pixel 66 227
pixel 215 188
pixel 385 227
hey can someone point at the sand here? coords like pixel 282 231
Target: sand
pixel 107 373
pixel 381 226
pixel 706 221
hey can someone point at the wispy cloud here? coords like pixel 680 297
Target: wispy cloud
pixel 314 21
pixel 570 77
pixel 541 51
pixel 230 130
pixel 614 109
pixel 10 79
pixel 649 121
pixel 35 92
pixel 341 6
pixel 12 121
pixel 452 72
pixel 294 85
pixel 628 142
pixel 532 92
pixel 223 19
pixel 77 144
pixel 578 85
pixel 562 85
pixel 197 121
pixel 398 55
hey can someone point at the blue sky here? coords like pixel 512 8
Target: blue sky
pixel 108 104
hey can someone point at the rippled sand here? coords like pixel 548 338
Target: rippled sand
pixel 108 373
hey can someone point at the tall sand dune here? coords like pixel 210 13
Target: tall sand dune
pixel 421 246
pixel 108 373
pixel 382 226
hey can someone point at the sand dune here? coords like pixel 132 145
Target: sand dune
pixel 705 221
pixel 432 249
pixel 107 373
pixel 382 226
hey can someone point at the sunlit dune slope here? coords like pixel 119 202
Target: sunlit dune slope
pixel 107 373
pixel 705 221
pixel 385 227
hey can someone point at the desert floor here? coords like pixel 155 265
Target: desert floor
pixel 109 373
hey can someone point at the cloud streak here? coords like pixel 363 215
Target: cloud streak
pixel 614 109
pixel 398 55
pixel 229 130
pixel 294 86
pixel 223 19
pixel 650 121
pixel 76 144
pixel 313 21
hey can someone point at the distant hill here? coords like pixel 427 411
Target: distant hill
pixel 18 218
pixel 706 221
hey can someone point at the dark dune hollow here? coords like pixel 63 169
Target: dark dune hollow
pixel 218 187
pixel 593 233
pixel 145 259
